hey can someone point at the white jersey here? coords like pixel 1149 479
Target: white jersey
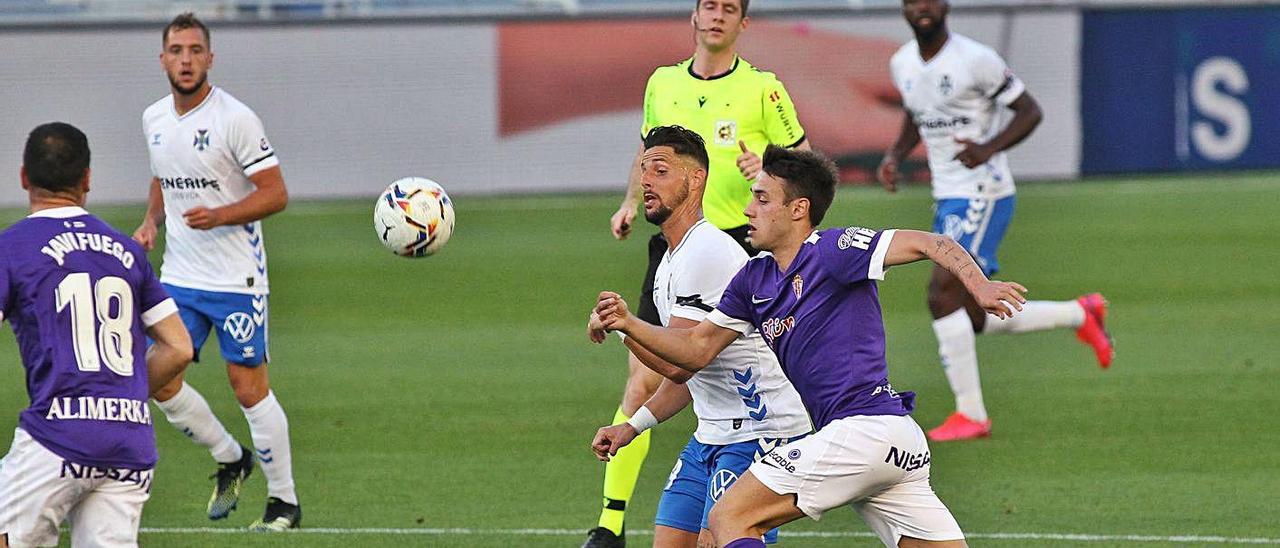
pixel 958 94
pixel 742 394
pixel 205 158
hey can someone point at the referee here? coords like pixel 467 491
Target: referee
pixel 738 110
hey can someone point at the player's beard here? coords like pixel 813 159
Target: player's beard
pixel 663 212
pixel 173 82
pixel 927 34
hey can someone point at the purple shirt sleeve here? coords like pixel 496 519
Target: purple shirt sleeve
pixel 855 254
pixel 155 301
pixel 734 311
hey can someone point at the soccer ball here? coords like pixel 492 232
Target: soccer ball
pixel 413 217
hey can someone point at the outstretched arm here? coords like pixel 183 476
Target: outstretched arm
pixel 659 365
pixel 689 349
pixel 909 246
pixel 597 333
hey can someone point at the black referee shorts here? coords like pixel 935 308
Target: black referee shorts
pixel 657 248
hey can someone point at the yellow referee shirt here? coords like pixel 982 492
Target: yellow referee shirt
pixel 745 104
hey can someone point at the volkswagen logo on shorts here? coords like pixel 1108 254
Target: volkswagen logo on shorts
pixel 793 454
pixel 721 482
pixel 240 326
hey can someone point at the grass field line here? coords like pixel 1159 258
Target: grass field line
pixel 465 531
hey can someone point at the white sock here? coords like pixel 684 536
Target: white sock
pixel 957 346
pixel 1038 316
pixel 190 413
pixel 270 430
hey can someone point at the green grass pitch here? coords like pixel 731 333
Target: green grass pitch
pixel 459 391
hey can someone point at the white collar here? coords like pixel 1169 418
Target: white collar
pixel 63 212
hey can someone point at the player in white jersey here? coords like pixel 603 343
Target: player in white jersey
pixel 744 403
pixel 954 91
pixel 214 177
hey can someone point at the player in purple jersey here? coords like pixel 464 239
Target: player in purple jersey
pixel 79 296
pixel 813 297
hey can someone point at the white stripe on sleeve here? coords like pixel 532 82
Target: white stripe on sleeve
pixel 875 270
pixel 159 312
pixel 724 320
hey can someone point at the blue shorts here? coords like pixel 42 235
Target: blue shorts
pixel 239 320
pixel 701 475
pixel 977 224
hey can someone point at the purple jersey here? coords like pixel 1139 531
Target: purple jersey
pixel 78 295
pixel 822 318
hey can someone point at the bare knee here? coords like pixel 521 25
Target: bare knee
pixel 168 391
pixel 945 296
pixel 250 384
pixel 726 524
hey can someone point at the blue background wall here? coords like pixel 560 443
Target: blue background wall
pixel 1180 89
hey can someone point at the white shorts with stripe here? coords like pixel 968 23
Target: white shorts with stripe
pixel 39 490
pixel 878 464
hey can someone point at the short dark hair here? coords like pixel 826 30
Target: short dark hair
pixel 56 156
pixel 805 174
pixel 745 4
pixel 184 21
pixel 685 142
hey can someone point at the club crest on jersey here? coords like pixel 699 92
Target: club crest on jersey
pixel 797 285
pixel 944 85
pixel 726 132
pixel 202 139
pixel 239 326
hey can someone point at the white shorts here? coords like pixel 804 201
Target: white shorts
pixel 879 464
pixel 38 490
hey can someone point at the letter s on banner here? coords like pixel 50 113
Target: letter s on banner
pixel 1222 107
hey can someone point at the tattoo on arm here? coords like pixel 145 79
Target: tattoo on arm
pixel 957 260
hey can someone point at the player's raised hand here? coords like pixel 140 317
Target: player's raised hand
pixel 748 162
pixel 973 154
pixel 887 173
pixel 145 235
pixel 610 439
pixel 202 218
pixel 612 311
pixel 1000 298
pixel 621 222
pixel 595 328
